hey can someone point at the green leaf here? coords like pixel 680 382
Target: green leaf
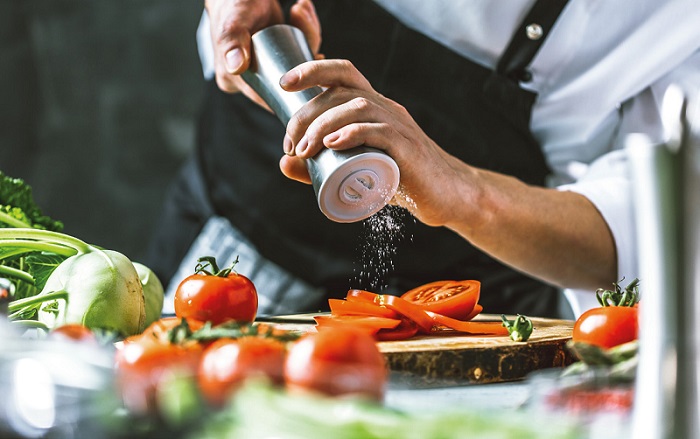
pixel 17 201
pixel 41 265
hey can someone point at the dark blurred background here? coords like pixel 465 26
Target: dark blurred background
pixel 98 103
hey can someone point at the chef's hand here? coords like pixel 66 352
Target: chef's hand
pixel 232 23
pixel 557 236
pixel 350 113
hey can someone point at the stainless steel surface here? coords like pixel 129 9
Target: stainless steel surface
pixel 665 182
pixel 350 185
pixel 276 50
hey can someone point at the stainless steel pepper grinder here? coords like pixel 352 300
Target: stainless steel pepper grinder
pixel 350 185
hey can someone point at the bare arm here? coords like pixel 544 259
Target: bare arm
pixel 557 236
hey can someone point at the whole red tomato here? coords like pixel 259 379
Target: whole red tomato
pixel 227 363
pixel 337 361
pixel 607 326
pixel 144 363
pixel 216 296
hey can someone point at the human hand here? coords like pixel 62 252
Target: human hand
pixel 351 113
pixel 233 22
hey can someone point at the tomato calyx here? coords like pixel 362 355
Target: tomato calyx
pixel 187 332
pixel 179 333
pixel 206 262
pixel 235 330
pixel 519 329
pixel 619 297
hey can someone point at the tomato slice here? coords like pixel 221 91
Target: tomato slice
pixel 406 329
pixel 450 298
pixel 369 324
pixel 350 307
pixel 483 328
pixel 475 312
pixel 363 296
pixel 410 310
pixel 389 317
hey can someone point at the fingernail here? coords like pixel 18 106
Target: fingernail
pixel 331 138
pixel 234 60
pixel 302 145
pixel 289 78
pixel 287 145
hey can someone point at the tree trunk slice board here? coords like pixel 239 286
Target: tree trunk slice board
pixel 456 359
pixel 463 359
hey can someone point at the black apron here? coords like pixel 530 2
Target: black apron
pixel 479 115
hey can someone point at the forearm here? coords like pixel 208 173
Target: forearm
pixel 556 236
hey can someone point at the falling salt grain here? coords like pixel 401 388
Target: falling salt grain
pixel 382 233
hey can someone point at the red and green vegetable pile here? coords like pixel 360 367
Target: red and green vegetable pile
pixel 59 279
pixel 193 363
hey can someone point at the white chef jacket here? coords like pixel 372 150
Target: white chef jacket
pixel 599 76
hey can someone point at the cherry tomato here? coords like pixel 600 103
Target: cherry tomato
pixel 74 332
pixel 607 326
pixel 227 363
pixel 337 361
pixel 160 330
pixel 216 298
pixel 143 364
pixel 450 298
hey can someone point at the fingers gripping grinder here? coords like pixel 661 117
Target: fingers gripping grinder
pixel 350 185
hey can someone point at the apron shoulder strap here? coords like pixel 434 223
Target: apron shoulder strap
pixel 528 38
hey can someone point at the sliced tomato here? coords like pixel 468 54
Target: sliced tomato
pixel 475 312
pixel 389 317
pixel 483 328
pixel 369 324
pixel 406 329
pixel 350 307
pixel 409 310
pixel 363 296
pixel 450 298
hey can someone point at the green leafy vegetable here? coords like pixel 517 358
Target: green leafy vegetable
pixel 259 411
pixel 60 279
pixel 18 209
pixel 94 287
pixel 153 292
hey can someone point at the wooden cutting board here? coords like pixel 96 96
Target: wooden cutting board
pixel 459 359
